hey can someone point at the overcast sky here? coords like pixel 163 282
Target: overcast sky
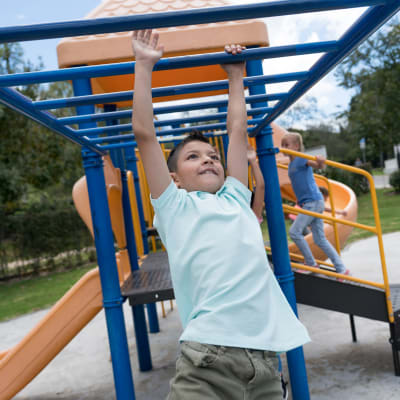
pixel 282 30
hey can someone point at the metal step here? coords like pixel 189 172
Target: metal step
pixel 346 297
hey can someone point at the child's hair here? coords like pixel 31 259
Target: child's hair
pixel 296 137
pixel 324 191
pixel 172 161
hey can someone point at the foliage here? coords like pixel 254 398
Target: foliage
pixel 30 155
pixel 395 180
pixel 373 70
pixel 45 227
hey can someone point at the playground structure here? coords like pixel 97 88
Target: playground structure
pixel 108 83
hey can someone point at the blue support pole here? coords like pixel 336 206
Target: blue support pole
pixel 277 233
pixel 112 299
pixel 104 241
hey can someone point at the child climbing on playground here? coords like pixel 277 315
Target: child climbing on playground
pixel 310 198
pixel 235 318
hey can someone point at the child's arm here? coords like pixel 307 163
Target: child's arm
pixel 259 190
pixel 236 119
pixel 147 53
pixel 319 163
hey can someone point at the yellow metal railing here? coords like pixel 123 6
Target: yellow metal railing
pixel 374 229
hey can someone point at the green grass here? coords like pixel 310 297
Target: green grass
pixel 20 297
pixel 389 211
pixel 377 171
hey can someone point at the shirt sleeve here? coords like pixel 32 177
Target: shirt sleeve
pixel 301 162
pixel 237 189
pixel 165 197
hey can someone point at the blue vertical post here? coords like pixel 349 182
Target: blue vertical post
pixel 142 339
pixel 104 241
pixel 277 233
pixel 112 299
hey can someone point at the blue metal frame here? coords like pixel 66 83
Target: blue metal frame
pixel 121 144
pixel 177 18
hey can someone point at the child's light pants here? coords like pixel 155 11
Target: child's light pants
pixel 317 229
pixel 211 372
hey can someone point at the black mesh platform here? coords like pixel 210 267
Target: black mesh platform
pixel 347 297
pixel 151 283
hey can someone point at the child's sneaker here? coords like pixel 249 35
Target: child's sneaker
pixel 347 272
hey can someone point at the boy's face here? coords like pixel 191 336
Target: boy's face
pixel 290 144
pixel 199 168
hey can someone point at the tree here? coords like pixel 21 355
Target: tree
pixel 303 112
pixel 373 71
pixel 31 157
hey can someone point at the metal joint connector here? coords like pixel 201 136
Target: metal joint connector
pixel 268 152
pixel 285 278
pixel 112 303
pixel 91 159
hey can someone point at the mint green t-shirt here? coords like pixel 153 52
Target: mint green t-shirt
pixel 225 290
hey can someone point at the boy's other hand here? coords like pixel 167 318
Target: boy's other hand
pixel 236 67
pixel 145 46
pixel 251 154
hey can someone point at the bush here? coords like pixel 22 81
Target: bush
pixel 395 180
pixel 44 228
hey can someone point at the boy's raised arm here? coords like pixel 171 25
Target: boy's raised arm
pixel 147 53
pixel 236 119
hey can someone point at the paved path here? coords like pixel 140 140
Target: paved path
pixel 337 368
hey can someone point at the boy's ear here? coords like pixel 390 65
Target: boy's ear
pixel 175 178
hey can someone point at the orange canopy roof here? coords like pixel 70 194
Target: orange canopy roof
pixel 184 40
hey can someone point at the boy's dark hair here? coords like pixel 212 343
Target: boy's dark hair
pixel 324 191
pixel 173 155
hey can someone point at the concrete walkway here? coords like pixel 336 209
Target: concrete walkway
pixel 337 368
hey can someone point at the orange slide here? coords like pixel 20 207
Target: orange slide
pixel 67 317
pixel 20 364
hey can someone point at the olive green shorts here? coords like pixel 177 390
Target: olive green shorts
pixel 211 372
